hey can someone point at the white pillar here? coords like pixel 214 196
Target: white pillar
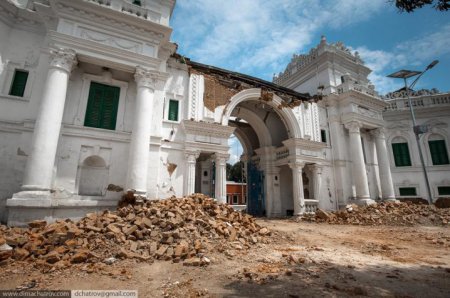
pixel 297 183
pixel 39 169
pixel 221 177
pixel 358 164
pixel 140 135
pixel 272 194
pixel 317 181
pixel 387 187
pixel 191 160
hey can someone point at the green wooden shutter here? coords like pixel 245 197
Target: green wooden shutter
pixel 438 152
pixel 173 110
pixel 444 190
pixel 103 102
pixel 407 191
pixel 19 83
pixel 401 154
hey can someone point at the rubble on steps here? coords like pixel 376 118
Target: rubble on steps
pixel 385 213
pixel 176 229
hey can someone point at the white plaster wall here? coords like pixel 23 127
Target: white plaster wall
pixel 398 124
pixel 21 50
pixel 171 185
pixel 313 79
pixel 327 200
pixel 12 164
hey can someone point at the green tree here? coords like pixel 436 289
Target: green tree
pixel 228 169
pixel 236 172
pixel 411 5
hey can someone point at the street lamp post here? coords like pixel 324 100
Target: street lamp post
pixel 418 129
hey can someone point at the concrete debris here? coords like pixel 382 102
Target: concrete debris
pixel 385 213
pixel 176 229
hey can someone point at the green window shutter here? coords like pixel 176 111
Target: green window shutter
pixel 323 135
pixel 438 152
pixel 401 154
pixel 103 102
pixel 173 110
pixel 19 83
pixel 407 191
pixel 444 190
pixel 137 2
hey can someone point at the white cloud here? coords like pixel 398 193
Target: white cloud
pixel 417 52
pixel 235 150
pixel 260 35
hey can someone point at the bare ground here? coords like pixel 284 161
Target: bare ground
pixel 302 260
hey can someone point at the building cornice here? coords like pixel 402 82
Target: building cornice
pixel 207 129
pixel 21 18
pixel 362 99
pixel 93 52
pixel 304 144
pixel 87 10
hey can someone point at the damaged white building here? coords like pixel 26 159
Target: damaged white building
pixel 95 101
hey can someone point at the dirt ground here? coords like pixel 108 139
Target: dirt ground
pixel 302 260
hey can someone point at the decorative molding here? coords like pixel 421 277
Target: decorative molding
pixel 136 24
pixel 207 129
pixel 191 156
pixel 353 127
pixel 221 159
pixel 150 78
pixel 64 59
pixel 378 133
pixel 297 165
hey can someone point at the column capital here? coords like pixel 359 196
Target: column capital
pixel 316 169
pixel 296 165
pixel 378 132
pixel 64 59
pixel 148 78
pixel 221 158
pixel 191 156
pixel 353 126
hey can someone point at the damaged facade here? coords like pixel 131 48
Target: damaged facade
pixel 95 101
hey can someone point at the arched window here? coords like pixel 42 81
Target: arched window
pixel 400 151
pixel 93 176
pixel 438 150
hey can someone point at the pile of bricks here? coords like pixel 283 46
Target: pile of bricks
pixel 385 213
pixel 178 230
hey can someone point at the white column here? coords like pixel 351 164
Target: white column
pixel 297 184
pixel 140 135
pixel 191 160
pixel 387 187
pixel 272 190
pixel 39 169
pixel 358 164
pixel 317 180
pixel 221 177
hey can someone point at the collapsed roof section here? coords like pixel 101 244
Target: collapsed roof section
pixel 222 84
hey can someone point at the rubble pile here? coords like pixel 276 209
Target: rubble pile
pixel 178 230
pixel 385 213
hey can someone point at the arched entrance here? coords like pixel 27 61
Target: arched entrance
pixel 262 127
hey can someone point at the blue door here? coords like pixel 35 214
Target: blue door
pixel 255 184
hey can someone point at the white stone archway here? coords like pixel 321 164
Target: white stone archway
pixel 286 114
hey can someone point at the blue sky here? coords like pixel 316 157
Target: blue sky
pixel 259 37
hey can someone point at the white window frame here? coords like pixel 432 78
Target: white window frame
pixel 169 97
pixel 84 96
pixel 8 76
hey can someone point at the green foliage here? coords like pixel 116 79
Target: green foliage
pixel 411 5
pixel 234 172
